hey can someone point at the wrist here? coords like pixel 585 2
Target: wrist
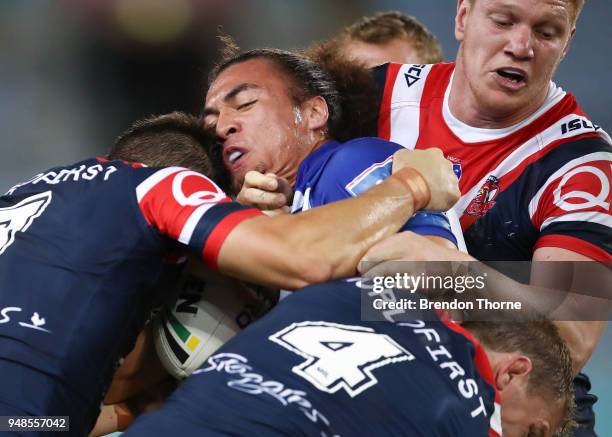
pixel 416 184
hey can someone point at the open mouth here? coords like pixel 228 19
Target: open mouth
pixel 233 156
pixel 514 75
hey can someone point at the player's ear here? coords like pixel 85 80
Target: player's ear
pixel 513 368
pixel 463 7
pixel 315 112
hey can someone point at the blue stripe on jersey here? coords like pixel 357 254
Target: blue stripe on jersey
pixel 380 78
pixel 209 222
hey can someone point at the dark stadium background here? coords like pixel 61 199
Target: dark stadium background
pixel 74 73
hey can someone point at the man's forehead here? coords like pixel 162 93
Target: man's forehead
pixel 247 75
pixel 555 7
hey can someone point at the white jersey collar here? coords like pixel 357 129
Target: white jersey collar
pixel 469 134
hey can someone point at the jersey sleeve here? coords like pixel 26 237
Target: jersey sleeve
pixel 191 209
pixel 572 208
pixel 364 163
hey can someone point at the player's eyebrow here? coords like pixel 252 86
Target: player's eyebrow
pixel 229 96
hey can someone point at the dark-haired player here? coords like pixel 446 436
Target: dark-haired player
pixel 278 117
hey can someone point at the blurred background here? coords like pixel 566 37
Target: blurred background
pixel 75 73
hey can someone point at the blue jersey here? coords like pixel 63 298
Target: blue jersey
pixel 81 250
pixel 319 370
pixel 337 171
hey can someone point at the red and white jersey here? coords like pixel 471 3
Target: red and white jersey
pixel 544 182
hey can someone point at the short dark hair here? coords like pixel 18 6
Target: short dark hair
pixel 383 27
pixel 175 139
pixel 306 78
pixel 551 376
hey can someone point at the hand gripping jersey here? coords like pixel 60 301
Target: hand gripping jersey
pixel 337 171
pixel 307 369
pixel 544 182
pixel 81 249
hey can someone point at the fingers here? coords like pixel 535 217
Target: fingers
pixel 436 171
pixel 283 187
pixel 255 179
pixel 265 191
pixel 261 199
pixel 402 245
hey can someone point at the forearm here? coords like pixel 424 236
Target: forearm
pixel 322 243
pixel 576 313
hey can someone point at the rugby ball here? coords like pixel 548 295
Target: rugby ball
pixel 207 313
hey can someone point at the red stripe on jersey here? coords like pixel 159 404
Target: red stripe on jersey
pixel 222 230
pixel 575 245
pixel 170 202
pixel 384 116
pixel 492 433
pixel 481 360
pixel 431 101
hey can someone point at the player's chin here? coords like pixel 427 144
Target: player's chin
pixel 500 102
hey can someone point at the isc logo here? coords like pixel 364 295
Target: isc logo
pixel 577 123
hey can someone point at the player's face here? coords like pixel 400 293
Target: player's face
pixel 526 415
pixel 397 50
pixel 258 124
pixel 509 52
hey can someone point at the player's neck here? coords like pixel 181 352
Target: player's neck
pixel 465 107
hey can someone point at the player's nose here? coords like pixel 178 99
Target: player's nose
pixel 227 125
pixel 520 42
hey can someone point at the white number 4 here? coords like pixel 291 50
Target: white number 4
pixel 339 356
pixel 19 217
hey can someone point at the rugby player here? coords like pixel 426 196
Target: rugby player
pixel 533 166
pixel 83 246
pixel 313 367
pixel 278 115
pixel 398 37
pixel 385 37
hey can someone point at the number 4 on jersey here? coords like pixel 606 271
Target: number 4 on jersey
pixel 19 217
pixel 339 356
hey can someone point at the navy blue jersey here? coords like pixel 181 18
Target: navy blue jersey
pixel 316 369
pixel 337 171
pixel 81 250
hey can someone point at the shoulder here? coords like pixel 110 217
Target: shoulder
pixel 359 164
pixel 405 82
pixel 186 186
pixel 365 150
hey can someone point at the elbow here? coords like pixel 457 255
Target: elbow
pixel 581 338
pixel 582 352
